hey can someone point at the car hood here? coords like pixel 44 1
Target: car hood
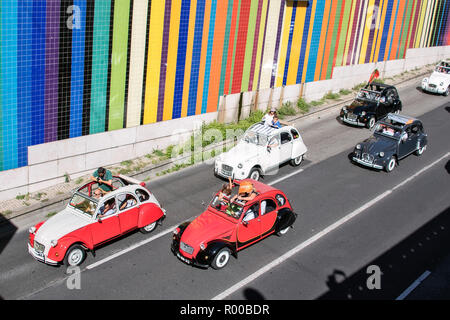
pixel 60 225
pixel 206 227
pixel 376 144
pixel 242 152
pixel 359 106
pixel 437 78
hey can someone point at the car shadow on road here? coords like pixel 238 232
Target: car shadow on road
pixel 253 294
pixel 7 231
pixel 447 167
pixel 400 266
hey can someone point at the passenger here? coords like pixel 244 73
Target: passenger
pixel 97 194
pixel 129 202
pixel 267 119
pixel 104 179
pixel 108 209
pixel 246 192
pixel 226 190
pixel 276 122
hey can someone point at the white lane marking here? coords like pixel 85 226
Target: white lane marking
pixel 316 237
pixel 137 245
pixel 285 177
pixel 414 285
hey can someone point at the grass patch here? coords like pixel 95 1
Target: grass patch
pixel 287 109
pixel 331 96
pixel 303 106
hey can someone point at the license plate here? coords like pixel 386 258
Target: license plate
pixel 183 258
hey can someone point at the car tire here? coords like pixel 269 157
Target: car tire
pixel 282 232
pixel 297 161
pixel 221 259
pixel 447 92
pixel 75 255
pixel 420 151
pixel 391 164
pixel 371 123
pixel 148 228
pixel 255 174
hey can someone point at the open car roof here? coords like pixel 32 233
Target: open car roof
pixel 400 119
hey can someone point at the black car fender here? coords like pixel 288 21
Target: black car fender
pixel 207 256
pixel 285 218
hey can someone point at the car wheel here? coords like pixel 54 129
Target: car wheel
pixel 282 232
pixel 421 150
pixel 296 161
pixel 221 259
pixel 255 174
pixel 148 228
pixel 371 123
pixel 75 255
pixel 447 92
pixel 391 164
pixel 397 111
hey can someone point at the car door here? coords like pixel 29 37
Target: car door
pixel 108 226
pixel 128 211
pixel 285 147
pixel 249 228
pixel 273 153
pixel 298 147
pixel 408 142
pixel 268 214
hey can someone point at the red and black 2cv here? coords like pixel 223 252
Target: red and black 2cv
pixel 228 227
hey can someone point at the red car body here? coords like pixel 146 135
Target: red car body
pixel 80 227
pixel 219 231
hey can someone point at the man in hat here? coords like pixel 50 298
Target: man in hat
pixel 267 119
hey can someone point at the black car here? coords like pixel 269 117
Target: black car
pixel 394 138
pixel 372 103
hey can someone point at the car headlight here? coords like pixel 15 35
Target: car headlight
pixel 54 243
pixel 441 84
pixel 32 230
pixel 425 80
pixel 202 246
pixel 381 154
pixel 358 147
pixel 363 113
pixel 240 166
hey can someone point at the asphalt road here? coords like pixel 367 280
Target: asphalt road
pixel 350 218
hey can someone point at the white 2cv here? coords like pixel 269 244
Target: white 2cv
pixel 261 151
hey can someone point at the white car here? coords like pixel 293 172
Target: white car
pixel 439 81
pixel 261 151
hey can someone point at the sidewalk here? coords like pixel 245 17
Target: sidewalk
pixel 151 167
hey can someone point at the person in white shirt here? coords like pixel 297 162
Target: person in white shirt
pixel 269 117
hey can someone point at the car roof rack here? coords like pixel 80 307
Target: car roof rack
pixel 403 119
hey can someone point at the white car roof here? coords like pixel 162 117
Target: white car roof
pixel 261 128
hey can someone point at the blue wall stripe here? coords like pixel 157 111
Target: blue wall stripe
pixel 38 72
pixel 9 82
pixel 209 49
pixel 291 34
pixel 181 58
pixel 315 39
pixel 304 44
pixel 196 54
pixel 387 23
pixel 24 85
pixel 393 30
pixel 77 76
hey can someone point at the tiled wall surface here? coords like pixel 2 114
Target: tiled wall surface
pixel 71 68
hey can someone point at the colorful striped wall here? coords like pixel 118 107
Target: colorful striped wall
pixel 77 67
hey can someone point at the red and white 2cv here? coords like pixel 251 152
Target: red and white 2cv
pixel 89 221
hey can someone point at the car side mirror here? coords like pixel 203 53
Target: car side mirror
pixel 269 149
pixel 99 219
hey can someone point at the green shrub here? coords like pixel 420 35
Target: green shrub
pixel 303 105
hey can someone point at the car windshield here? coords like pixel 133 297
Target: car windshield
pixel 233 210
pixel 387 130
pixel 255 138
pixel 83 204
pixel 370 95
pixel 443 69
